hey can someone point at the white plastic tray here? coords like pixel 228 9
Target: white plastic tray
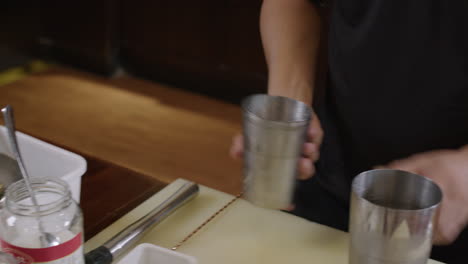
pixel 45 160
pixel 149 254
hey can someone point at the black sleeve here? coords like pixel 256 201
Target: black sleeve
pixel 319 3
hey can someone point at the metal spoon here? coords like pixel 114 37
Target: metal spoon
pixel 47 239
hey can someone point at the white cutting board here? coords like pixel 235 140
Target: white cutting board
pixel 242 234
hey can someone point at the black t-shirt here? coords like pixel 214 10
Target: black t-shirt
pixel 398 84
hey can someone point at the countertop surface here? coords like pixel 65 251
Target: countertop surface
pixel 243 233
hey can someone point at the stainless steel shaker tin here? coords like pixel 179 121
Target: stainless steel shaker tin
pixel 274 129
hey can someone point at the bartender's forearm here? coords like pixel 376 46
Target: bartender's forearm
pixel 290 32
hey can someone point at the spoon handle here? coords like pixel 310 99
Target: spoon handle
pixel 9 119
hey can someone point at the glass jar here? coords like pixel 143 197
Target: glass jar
pixel 22 225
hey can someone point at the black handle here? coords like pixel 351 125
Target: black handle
pixel 100 255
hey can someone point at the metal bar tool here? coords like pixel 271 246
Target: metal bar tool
pixel 128 237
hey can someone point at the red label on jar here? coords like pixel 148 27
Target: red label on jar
pixel 34 255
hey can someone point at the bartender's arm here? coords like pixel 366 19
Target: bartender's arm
pixel 290 31
pixel 449 169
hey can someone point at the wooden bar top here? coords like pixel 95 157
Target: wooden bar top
pixel 136 135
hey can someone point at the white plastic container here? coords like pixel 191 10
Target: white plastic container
pixel 150 254
pixel 45 160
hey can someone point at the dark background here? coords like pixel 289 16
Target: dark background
pixel 208 46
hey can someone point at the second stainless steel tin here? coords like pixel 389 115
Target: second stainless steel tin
pixel 392 216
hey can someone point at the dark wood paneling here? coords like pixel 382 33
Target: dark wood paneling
pixel 18 30
pixel 208 46
pixel 81 33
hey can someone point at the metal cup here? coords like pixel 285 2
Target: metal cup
pixel 275 129
pixel 391 218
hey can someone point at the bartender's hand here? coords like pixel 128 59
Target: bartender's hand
pixel 310 153
pixel 449 169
